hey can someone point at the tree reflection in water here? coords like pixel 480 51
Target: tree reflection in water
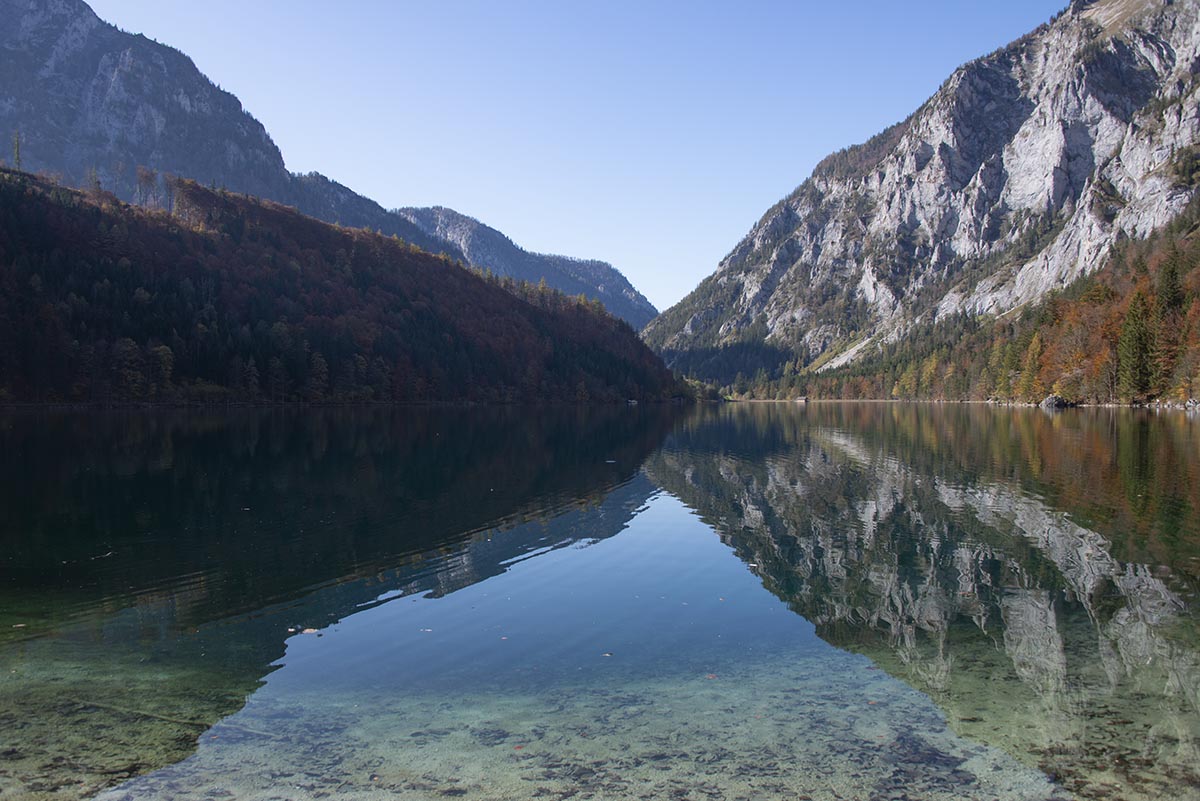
pixel 1034 573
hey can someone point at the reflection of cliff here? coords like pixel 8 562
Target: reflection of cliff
pixel 122 661
pixel 1018 621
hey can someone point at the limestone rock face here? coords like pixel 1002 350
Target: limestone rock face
pixel 87 97
pixel 1014 179
pixel 93 103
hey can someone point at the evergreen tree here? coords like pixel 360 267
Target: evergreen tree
pixel 1166 328
pixel 1170 288
pixel 318 378
pixel 162 365
pixel 1133 350
pixel 1011 368
pixel 1166 351
pixel 277 380
pixel 998 376
pixel 16 143
pixel 250 379
pixel 1029 387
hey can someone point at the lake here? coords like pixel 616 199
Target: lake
pixel 746 601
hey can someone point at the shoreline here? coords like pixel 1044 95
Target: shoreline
pixel 1188 406
pixel 241 405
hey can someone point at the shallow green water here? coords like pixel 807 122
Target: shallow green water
pixel 752 601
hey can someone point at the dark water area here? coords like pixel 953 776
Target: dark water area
pixel 745 601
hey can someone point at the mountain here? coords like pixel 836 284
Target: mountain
pixel 487 249
pixel 1014 179
pixel 973 572
pixel 1129 332
pixel 93 104
pixel 227 297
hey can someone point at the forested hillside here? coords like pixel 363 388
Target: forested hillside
pixel 1129 332
pixel 226 298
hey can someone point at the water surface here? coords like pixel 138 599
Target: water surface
pixel 752 601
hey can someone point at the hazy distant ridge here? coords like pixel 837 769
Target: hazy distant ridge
pixel 489 249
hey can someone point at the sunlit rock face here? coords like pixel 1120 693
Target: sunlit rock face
pixel 1019 621
pixel 1015 178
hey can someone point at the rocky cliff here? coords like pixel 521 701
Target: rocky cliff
pixel 92 104
pixel 488 249
pixel 1014 179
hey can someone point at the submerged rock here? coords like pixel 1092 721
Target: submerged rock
pixel 1055 402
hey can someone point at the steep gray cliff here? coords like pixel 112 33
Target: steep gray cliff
pixel 488 249
pixel 93 103
pixel 1014 179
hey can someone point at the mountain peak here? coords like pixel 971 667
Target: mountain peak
pixel 32 11
pixel 1014 179
pixel 39 20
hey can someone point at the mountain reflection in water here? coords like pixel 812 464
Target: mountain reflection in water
pixel 1034 574
pixel 154 564
pixel 1027 582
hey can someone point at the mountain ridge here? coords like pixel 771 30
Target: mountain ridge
pixel 486 248
pixel 1016 177
pixel 93 104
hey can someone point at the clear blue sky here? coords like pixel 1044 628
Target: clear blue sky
pixel 648 134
